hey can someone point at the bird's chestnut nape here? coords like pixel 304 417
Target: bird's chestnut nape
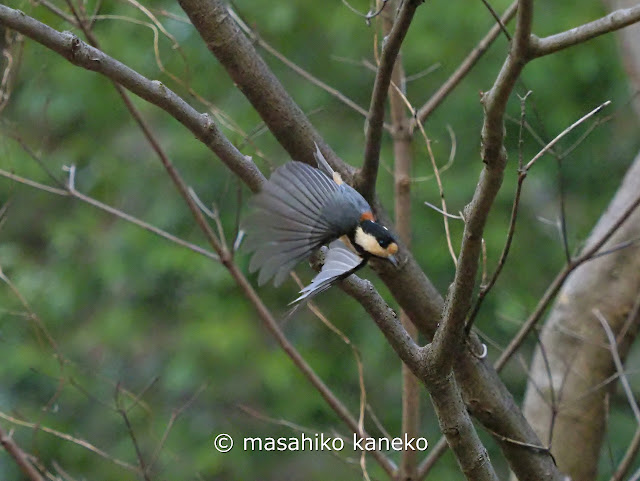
pixel 301 208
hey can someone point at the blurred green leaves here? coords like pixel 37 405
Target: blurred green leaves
pixel 139 319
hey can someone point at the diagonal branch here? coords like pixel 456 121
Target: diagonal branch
pixel 609 23
pixel 446 396
pixel 366 180
pixel 79 53
pixel 284 118
pixel 19 456
pixel 255 37
pixel 463 69
pixel 450 336
pixel 558 282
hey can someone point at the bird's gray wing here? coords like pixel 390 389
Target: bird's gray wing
pixel 340 262
pixel 291 219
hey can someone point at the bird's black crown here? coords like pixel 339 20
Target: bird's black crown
pixel 380 232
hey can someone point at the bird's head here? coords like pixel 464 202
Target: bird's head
pixel 376 240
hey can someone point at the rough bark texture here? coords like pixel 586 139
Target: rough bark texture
pixel 576 348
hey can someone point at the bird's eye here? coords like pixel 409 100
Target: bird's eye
pixel 381 242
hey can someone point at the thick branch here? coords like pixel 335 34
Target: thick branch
pixel 614 21
pixel 457 427
pixel 446 397
pixel 409 285
pixel 366 181
pixel 250 73
pixel 485 396
pixel 573 362
pixel 386 319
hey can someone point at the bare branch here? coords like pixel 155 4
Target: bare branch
pixel 613 347
pixel 366 179
pixel 79 53
pixel 113 211
pixel 609 23
pixel 497 19
pixel 274 328
pixel 448 338
pixel 66 437
pixel 19 456
pixel 557 283
pixel 551 144
pixel 295 67
pixel 247 69
pixel 464 68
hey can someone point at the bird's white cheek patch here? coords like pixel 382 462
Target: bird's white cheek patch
pixel 370 244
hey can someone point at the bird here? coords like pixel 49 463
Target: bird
pixel 302 208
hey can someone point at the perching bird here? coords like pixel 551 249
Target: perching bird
pixel 301 208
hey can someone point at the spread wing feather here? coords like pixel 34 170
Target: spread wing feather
pixel 294 214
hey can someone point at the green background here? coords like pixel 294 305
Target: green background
pixel 136 317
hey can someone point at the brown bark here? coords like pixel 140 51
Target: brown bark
pixel 565 400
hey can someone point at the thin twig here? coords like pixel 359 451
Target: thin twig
pixel 464 68
pixel 551 144
pixel 125 417
pixel 111 210
pixel 174 416
pixel 253 35
pixel 613 348
pixel 66 437
pixel 443 202
pixel 557 283
pixel 497 19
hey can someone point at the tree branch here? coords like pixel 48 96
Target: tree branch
pixel 403 157
pixel 450 336
pixel 558 282
pixel 79 53
pixel 250 73
pixel 19 457
pixel 609 23
pixel 366 179
pixel 446 397
pixel 464 68
pixel 408 284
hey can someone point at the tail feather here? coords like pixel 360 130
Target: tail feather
pixel 340 262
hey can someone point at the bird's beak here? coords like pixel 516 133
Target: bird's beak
pixel 393 260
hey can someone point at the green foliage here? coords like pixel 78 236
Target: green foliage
pixel 148 326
